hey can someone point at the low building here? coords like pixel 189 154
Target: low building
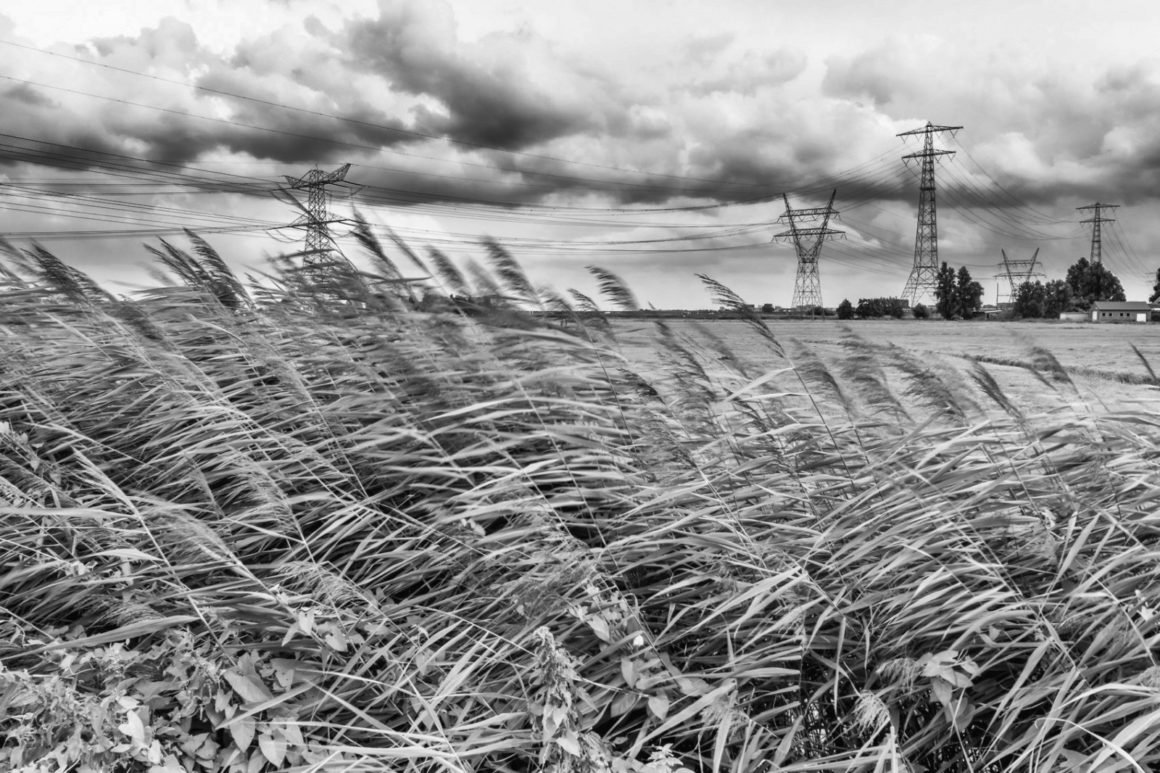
pixel 1121 311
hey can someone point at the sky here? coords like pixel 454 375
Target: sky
pixel 657 139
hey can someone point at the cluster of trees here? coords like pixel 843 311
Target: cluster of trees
pixel 957 296
pixel 872 307
pixel 1086 283
pixel 1036 299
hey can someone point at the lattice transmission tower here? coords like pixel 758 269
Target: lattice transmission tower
pixel 1016 272
pixel 1097 248
pixel 924 275
pixel 315 218
pixel 807 241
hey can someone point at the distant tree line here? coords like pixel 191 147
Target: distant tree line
pixel 871 308
pixel 958 296
pixel 1085 284
pixel 880 307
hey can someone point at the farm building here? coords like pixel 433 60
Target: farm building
pixel 1121 311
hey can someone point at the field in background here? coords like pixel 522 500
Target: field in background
pixel 1099 359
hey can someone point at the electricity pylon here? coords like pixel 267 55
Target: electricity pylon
pixel 807 288
pixel 923 278
pixel 1097 248
pixel 1016 272
pixel 315 217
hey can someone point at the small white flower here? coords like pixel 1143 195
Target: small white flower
pixel 638 641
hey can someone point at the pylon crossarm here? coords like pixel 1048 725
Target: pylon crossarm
pixel 930 128
pixel 925 154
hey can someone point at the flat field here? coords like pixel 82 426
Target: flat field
pixel 1099 366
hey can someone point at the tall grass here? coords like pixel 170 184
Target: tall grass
pixel 311 528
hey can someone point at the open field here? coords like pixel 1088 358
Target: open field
pixel 1106 371
pixel 321 531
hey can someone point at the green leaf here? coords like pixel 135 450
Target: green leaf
pixel 273 747
pixel 599 627
pixel 249 688
pixel 942 692
pixel 628 671
pixel 569 743
pixel 692 686
pixel 242 731
pixel 659 706
pixel 623 703
pixel 134 728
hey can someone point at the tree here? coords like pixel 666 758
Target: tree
pixel 1056 298
pixel 1091 282
pixel 968 294
pixel 1155 289
pixel 944 292
pixel 921 311
pixel 845 309
pixel 1029 300
pixel 956 294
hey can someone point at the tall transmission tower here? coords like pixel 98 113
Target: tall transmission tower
pixel 1097 248
pixel 807 288
pixel 1016 272
pixel 315 217
pixel 924 275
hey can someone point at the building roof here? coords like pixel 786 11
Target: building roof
pixel 1122 306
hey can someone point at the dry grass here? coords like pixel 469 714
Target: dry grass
pixel 324 531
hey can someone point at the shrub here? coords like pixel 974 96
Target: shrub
pixel 881 307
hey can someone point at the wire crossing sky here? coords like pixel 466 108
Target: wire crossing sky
pixel 654 138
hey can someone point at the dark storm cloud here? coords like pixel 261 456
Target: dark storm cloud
pixel 495 93
pixel 1034 133
pixel 408 182
pixel 388 91
pixel 26 94
pixel 156 120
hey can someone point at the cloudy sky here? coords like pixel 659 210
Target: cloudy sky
pixel 655 138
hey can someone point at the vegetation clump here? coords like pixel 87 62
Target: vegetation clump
pixel 957 296
pixel 870 308
pixel 1086 283
pixel 307 526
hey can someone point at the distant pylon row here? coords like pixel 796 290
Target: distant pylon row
pixel 807 292
pixel 923 279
